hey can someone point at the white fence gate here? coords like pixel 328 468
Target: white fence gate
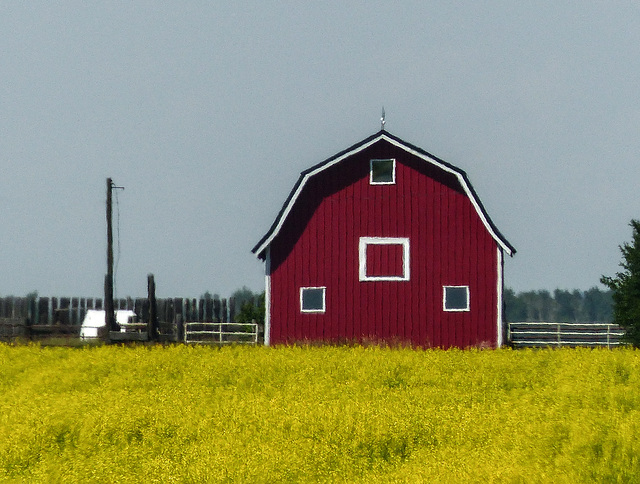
pixel 533 334
pixel 221 333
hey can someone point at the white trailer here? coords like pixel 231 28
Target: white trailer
pixel 95 320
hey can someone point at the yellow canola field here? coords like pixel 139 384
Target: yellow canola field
pixel 318 414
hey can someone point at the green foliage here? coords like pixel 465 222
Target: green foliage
pixel 626 287
pixel 561 306
pixel 207 296
pixel 252 310
pixel 243 295
pixel 515 306
pixel 309 414
pixel 250 306
pixel 598 305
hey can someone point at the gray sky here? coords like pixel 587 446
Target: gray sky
pixel 206 112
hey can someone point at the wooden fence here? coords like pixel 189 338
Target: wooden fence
pixel 71 310
pixel 11 328
pixel 540 334
pixel 36 318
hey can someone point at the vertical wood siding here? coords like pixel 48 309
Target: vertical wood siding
pixel 384 260
pixel 318 246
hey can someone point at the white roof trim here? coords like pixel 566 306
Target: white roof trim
pixel 458 175
pixel 464 185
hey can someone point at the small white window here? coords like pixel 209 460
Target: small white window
pixel 382 172
pixel 384 259
pixel 312 299
pixel 455 298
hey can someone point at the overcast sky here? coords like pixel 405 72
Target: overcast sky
pixel 206 112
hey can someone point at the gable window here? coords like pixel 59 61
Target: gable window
pixel 312 299
pixel 382 172
pixel 384 259
pixel 455 298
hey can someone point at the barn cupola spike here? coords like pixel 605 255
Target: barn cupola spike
pixel 382 120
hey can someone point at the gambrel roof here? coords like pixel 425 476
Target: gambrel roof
pixel 261 246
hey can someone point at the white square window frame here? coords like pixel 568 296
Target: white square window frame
pixel 324 300
pixel 444 299
pixel 393 173
pixel 362 253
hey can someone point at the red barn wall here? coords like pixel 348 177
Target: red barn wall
pixel 449 245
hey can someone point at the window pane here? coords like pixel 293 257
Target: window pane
pixel 456 298
pixel 313 299
pixel 382 171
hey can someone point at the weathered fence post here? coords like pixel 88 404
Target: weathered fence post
pixel 32 309
pixel 138 308
pixel 194 310
pixel 64 312
pixel 169 319
pixel 179 328
pixel 208 313
pixel 178 319
pixel 153 310
pixel 201 312
pixel 161 314
pixel 54 309
pixel 74 308
pixel 216 309
pixel 178 307
pixel 232 309
pixel 224 310
pixel 28 333
pixel 82 310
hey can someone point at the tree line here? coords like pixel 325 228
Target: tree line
pixel 542 305
pixel 559 306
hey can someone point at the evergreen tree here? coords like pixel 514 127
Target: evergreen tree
pixel 598 305
pixel 242 297
pixel 626 287
pixel 515 307
pixel 252 310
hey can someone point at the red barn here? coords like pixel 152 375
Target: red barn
pixel 384 241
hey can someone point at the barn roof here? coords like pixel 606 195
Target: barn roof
pixel 261 246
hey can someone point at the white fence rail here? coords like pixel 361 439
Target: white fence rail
pixel 536 334
pixel 220 333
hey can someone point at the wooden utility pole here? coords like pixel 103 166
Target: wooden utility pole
pixel 109 312
pixel 109 307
